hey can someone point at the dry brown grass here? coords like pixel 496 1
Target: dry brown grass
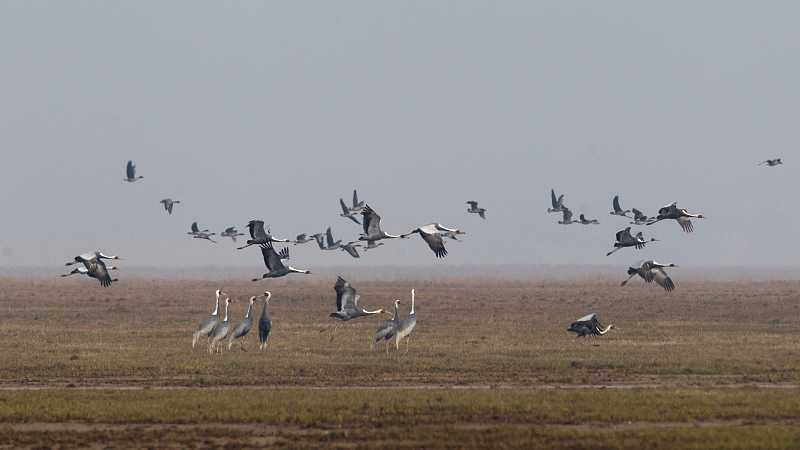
pixel 468 332
pixel 69 333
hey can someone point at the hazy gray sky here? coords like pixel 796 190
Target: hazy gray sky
pixel 275 110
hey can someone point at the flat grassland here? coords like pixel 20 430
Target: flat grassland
pixel 490 366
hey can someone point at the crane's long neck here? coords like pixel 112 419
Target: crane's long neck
pixel 226 312
pixel 377 311
pixel 607 329
pixel 216 309
pixel 249 308
pixel 412 301
pixel 396 315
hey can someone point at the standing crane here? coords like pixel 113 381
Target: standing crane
pixel 672 211
pixel 264 323
pixel 243 327
pixel 168 202
pixel 431 235
pixel 231 232
pixel 772 162
pixel 347 305
pixel 558 204
pixel 589 326
pixel 259 235
pixel 348 213
pixel 406 326
pixel 473 208
pixel 220 330
pixel 357 206
pixel 624 239
pixel 130 171
pixel 617 210
pixel 372 226
pixel 650 271
pixel 274 262
pixel 207 325
pixel 388 329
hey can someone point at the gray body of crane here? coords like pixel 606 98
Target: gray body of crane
pixel 347 304
pixel 432 235
pixel 241 329
pixel 372 226
pixel 589 326
pixel 264 324
pixel 672 211
pixel 259 236
pixel 95 267
pixel 406 325
pixel 220 330
pixel 625 239
pixel 388 329
pixel 274 262
pixel 652 271
pixel 207 325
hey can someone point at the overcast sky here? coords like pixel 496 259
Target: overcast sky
pixel 275 110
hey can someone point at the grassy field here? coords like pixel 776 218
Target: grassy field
pixel 506 340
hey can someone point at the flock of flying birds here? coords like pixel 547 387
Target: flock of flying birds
pixel 649 270
pixel 346 298
pixel 277 265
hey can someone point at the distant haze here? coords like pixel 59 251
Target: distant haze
pixel 275 110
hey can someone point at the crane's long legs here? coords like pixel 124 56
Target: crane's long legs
pixel 335 326
pixel 240 345
pixel 408 338
pixel 239 248
pixel 387 346
pixel 612 251
pixel 629 279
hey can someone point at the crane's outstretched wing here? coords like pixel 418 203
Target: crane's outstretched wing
pixel 372 221
pixel 271 259
pixel 345 294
